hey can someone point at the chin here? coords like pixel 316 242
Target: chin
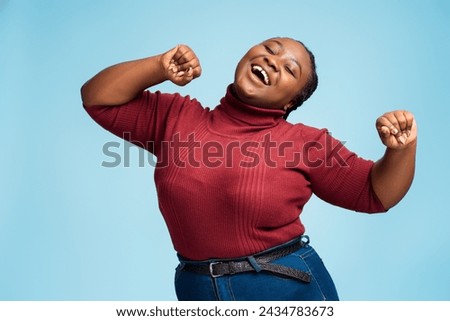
pixel 245 93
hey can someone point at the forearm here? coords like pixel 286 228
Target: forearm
pixel 393 174
pixel 120 83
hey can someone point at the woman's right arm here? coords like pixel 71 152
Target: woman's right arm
pixel 121 83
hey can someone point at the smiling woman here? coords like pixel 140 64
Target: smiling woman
pixel 236 224
pixel 280 67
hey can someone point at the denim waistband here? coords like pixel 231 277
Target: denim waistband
pixel 303 239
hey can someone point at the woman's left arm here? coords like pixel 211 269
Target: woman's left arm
pixel 393 174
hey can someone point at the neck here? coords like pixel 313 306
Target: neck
pixel 233 116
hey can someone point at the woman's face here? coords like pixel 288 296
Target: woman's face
pixel 271 74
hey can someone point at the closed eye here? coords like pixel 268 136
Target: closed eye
pixel 289 70
pixel 269 50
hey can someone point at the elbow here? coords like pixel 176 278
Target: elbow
pixel 390 200
pixel 85 96
pixel 90 95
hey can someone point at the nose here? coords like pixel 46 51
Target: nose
pixel 270 61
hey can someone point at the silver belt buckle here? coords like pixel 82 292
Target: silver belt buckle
pixel 211 270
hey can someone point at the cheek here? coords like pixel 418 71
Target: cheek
pixel 291 91
pixel 238 71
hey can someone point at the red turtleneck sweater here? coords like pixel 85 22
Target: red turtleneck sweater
pixel 233 181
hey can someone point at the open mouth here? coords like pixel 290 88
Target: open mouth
pixel 259 72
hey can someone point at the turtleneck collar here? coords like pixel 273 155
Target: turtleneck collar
pixel 233 116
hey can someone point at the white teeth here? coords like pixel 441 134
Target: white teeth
pixel 263 72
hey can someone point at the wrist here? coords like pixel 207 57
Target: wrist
pixel 411 145
pixel 155 69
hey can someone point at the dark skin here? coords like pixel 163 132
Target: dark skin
pixel 270 75
pixel 284 63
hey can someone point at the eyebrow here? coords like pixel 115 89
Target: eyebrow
pixel 291 58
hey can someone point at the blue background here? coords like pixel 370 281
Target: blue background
pixel 72 229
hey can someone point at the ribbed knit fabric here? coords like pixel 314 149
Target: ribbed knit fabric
pixel 233 181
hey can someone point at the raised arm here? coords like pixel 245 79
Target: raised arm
pixel 120 83
pixel 393 174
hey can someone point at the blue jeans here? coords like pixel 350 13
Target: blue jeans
pixel 261 286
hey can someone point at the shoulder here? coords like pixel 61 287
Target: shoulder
pixel 171 99
pixel 179 105
pixel 305 132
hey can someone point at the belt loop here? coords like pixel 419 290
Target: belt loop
pixel 304 239
pixel 180 266
pixel 254 264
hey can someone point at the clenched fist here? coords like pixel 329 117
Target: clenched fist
pixel 397 129
pixel 180 65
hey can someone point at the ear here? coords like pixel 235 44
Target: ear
pixel 288 105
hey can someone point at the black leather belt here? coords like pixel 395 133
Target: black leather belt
pixel 256 263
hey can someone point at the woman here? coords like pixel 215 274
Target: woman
pixel 232 181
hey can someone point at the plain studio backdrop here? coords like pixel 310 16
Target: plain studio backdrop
pixel 74 229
